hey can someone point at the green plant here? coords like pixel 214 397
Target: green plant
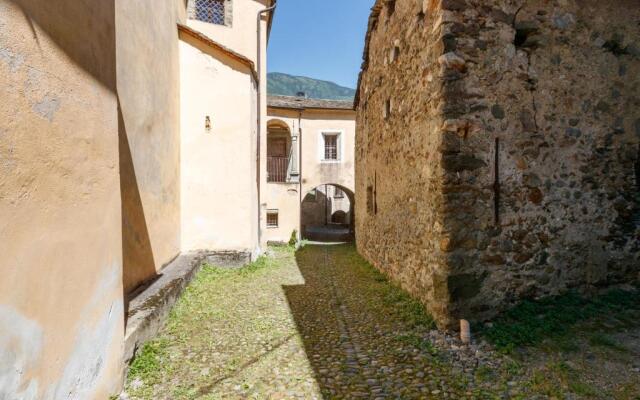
pixel 600 339
pixel 294 238
pixel 147 361
pixel 418 342
pixel 530 322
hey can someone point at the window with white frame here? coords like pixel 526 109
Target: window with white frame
pixel 330 146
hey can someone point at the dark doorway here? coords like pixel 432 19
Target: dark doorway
pixel 328 214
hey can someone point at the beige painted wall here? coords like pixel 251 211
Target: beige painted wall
pixel 89 183
pixel 219 191
pixel 314 172
pixel 149 95
pixel 241 36
pixel 61 309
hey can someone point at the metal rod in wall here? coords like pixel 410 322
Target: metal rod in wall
pixel 300 173
pixel 496 184
pixel 326 198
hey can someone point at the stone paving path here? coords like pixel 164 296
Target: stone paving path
pixel 319 323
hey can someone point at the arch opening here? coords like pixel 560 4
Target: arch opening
pixel 328 214
pixel 279 148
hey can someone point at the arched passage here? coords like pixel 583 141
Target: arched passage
pixel 328 214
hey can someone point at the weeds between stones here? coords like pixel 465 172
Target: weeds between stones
pixel 531 322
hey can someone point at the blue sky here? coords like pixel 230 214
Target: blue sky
pixel 321 39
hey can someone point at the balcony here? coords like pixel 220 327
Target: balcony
pixel 277 169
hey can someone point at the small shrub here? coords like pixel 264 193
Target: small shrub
pixel 294 238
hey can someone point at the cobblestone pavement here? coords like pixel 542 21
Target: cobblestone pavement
pixel 319 323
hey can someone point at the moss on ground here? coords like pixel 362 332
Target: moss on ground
pixel 569 346
pixel 532 322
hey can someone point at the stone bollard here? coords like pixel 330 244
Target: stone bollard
pixel 465 331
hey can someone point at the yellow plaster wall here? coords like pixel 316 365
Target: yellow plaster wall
pixel 242 35
pixel 285 196
pixel 89 183
pixel 219 189
pixel 149 129
pixel 61 309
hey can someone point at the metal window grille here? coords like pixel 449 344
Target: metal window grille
pixel 277 169
pixel 331 147
pixel 211 11
pixel 338 193
pixel 272 219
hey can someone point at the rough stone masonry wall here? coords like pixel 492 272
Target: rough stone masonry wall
pixel 399 200
pixel 552 87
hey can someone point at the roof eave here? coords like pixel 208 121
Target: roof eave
pixel 373 20
pixel 182 28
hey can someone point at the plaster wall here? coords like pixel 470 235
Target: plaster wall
pixel 315 171
pixel 285 197
pixel 241 35
pixel 149 129
pixel 61 308
pixel 218 166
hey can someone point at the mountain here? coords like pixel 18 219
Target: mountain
pixel 289 85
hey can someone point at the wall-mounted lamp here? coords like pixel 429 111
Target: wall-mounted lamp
pixel 207 123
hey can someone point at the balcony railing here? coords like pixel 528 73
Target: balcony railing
pixel 277 169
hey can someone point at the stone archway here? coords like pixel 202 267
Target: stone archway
pixel 328 214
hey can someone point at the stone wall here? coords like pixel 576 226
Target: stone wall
pixel 506 166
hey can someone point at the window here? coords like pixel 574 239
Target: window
pixel 272 218
pixel 338 193
pixel 211 11
pixel 277 159
pixel 387 109
pixel 330 146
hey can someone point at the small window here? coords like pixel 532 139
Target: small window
pixel 387 109
pixel 330 146
pixel 338 194
pixel 370 208
pixel 211 11
pixel 272 219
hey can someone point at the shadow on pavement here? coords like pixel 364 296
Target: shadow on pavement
pixel 349 335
